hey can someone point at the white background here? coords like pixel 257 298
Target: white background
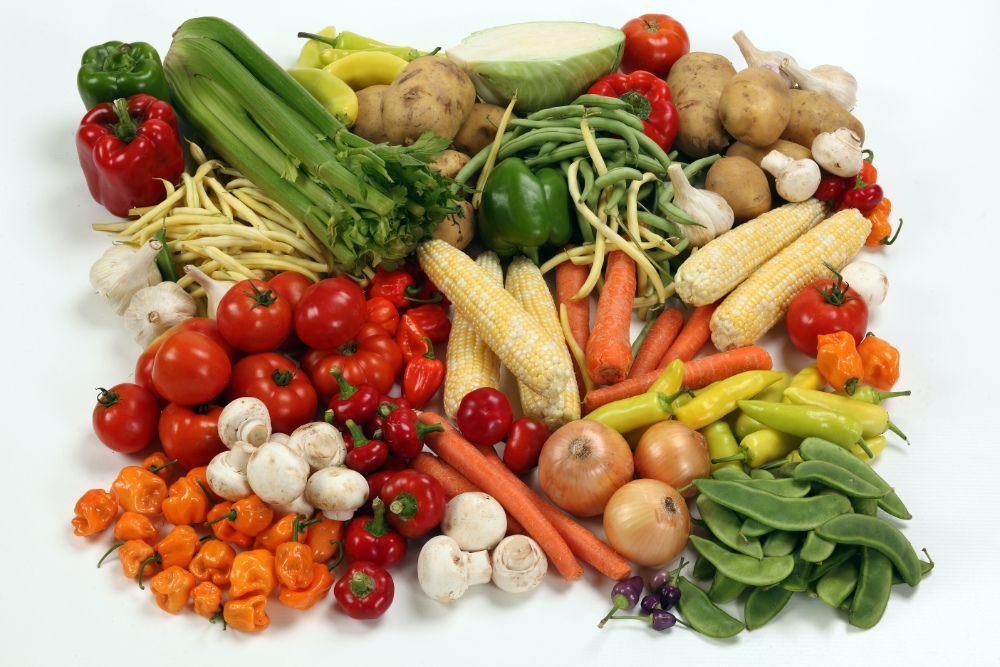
pixel 927 94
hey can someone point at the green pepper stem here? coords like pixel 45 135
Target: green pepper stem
pixel 125 128
pixel 404 505
pixel 299 526
pixel 429 354
pixel 619 602
pixel 894 236
pixel 114 547
pixel 361 585
pixel 331 41
pixel 346 388
pixel 155 558
pixel 155 469
pixel 377 525
pixel 231 514
pixel 332 565
pixel 356 435
pixel 864 447
pixel 217 616
pixel 895 429
pixel 423 429
pixel 882 395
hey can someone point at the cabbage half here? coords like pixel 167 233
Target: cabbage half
pixel 547 63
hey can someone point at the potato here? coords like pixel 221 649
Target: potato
pixel 755 106
pixel 449 163
pixel 742 184
pixel 696 82
pixel 369 122
pixel 479 128
pixel 756 153
pixel 458 228
pixel 814 113
pixel 430 95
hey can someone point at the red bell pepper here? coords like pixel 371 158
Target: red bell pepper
pixel 370 538
pixel 524 444
pixel 392 285
pixel 416 502
pixel 353 402
pixel 411 338
pixel 404 434
pixel 365 591
pixel 423 377
pixel 364 455
pixel 124 147
pixel 383 313
pixel 432 318
pixel 649 97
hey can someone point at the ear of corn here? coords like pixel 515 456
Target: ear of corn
pixel 470 362
pixel 526 283
pixel 726 261
pixel 522 345
pixel 760 301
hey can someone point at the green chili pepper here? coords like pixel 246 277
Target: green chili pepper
pixel 836 586
pixel 119 69
pixel 763 604
pixel 744 424
pixel 724 589
pixel 721 445
pixel 725 526
pixel 721 398
pixel 744 569
pixel 875 533
pixel 805 421
pixel 772 510
pixel 873 418
pixel 869 394
pixel 703 615
pixel 815 549
pixel 780 543
pixel 872 593
pixel 836 477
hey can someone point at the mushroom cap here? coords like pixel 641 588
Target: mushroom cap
pixel 443 569
pixel 245 419
pixel 224 479
pixel 320 444
pixel 280 438
pixel 276 473
pixel 519 564
pixel 475 520
pixel 336 490
pixel 297 506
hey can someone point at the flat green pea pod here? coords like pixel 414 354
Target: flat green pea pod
pixel 730 474
pixel 872 593
pixel 703 615
pixel 925 567
pixel 724 589
pixel 875 533
pixel 771 510
pixel 786 487
pixel 867 506
pixel 798 579
pixel 840 554
pixel 836 586
pixel 754 528
pixel 817 449
pixel 743 568
pixel 725 526
pixel 763 604
pixel 760 473
pixel 837 478
pixel 815 549
pixel 780 543
pixel 702 570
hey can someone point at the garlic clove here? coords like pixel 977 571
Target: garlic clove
pixel 153 310
pixel 123 270
pixel 710 210
pixel 214 289
pixel 835 81
pixel 771 60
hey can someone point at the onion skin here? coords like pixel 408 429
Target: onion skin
pixel 647 522
pixel 674 454
pixel 582 465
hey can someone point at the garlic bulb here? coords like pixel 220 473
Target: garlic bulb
pixel 155 309
pixel 214 289
pixel 795 180
pixel 771 60
pixel 123 270
pixel 709 210
pixel 835 81
pixel 839 152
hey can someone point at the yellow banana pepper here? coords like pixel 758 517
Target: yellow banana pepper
pixel 336 96
pixel 313 50
pixel 366 68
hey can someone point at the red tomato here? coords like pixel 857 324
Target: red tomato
pixel 253 317
pixel 372 357
pixel 280 384
pixel 653 42
pixel 825 307
pixel 484 416
pixel 190 368
pixel 190 435
pixel 330 313
pixel 125 417
pixel 291 285
pixel 202 325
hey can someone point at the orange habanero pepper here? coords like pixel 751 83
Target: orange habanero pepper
pixel 249 516
pixel 880 361
pixel 176 548
pixel 247 614
pixel 324 539
pixel 158 464
pixel 206 598
pixel 252 573
pixel 289 528
pixel 186 503
pixel 213 562
pixel 223 529
pixel 293 564
pixel 199 475
pixel 139 490
pixel 134 556
pixel 322 582
pixel 172 588
pixel 131 526
pixel 837 359
pixel 94 512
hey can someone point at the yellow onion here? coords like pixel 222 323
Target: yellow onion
pixel 647 522
pixel 582 465
pixel 673 453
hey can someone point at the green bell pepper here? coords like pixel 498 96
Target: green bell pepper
pixel 522 211
pixel 116 69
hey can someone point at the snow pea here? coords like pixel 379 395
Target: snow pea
pixel 836 586
pixel 744 569
pixel 724 589
pixel 760 473
pixel 798 579
pixel 702 570
pixel 731 474
pixel 872 593
pixel 775 511
pixel 786 488
pixel 807 421
pixel 763 604
pixel 780 543
pixel 754 528
pixel 725 526
pixel 875 533
pixel 703 615
pixel 867 506
pixel 815 549
pixel 840 554
pixel 721 398
pixel 837 478
pixel 925 567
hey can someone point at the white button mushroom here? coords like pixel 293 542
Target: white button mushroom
pixel 280 438
pixel 839 152
pixel 795 180
pixel 297 506
pixel 245 420
pixel 475 520
pixel 519 564
pixel 227 472
pixel 276 473
pixel 320 444
pixel 868 280
pixel 445 572
pixel 338 492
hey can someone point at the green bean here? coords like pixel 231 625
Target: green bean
pixel 837 478
pixel 656 222
pixel 673 212
pixel 780 543
pixel 702 569
pixel 815 549
pixel 703 615
pixel 673 155
pixel 867 506
pixel 534 124
pixel 639 161
pixel 601 101
pixel 836 586
pixel 772 510
pixel 572 150
pixel 631 137
pixel 724 589
pixel 874 587
pixel 840 554
pixel 536 138
pixel 754 528
pixel 617 193
pixel 548 147
pixel 786 488
pixel 725 526
pixel 743 568
pixel 760 473
pixel 616 175
pixel 567 111
pixel 763 604
pixel 729 474
pixel 875 533
pixel 623 116
pixel 798 579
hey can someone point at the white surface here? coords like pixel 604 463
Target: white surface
pixel 926 97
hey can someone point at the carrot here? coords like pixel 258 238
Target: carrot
pixel 698 373
pixel 454 482
pixel 470 462
pixel 587 546
pixel 692 337
pixel 609 349
pixel 569 279
pixel 661 335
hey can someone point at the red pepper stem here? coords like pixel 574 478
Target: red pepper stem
pixel 114 547
pixel 107 397
pixel 377 525
pixel 423 429
pixel 125 128
pixel 359 438
pixel 404 505
pixel 346 388
pixel 361 585
pixel 430 347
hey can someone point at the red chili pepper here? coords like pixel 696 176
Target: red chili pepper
pixel 365 590
pixel 432 318
pixel 524 444
pixel 831 187
pixel 404 434
pixel 416 502
pixel 410 338
pixel 423 377
pixel 386 404
pixel 391 285
pixel 382 312
pixel 364 455
pixel 370 538
pixel 862 197
pixel 125 147
pixel 353 402
pixel 649 98
pixel 376 481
